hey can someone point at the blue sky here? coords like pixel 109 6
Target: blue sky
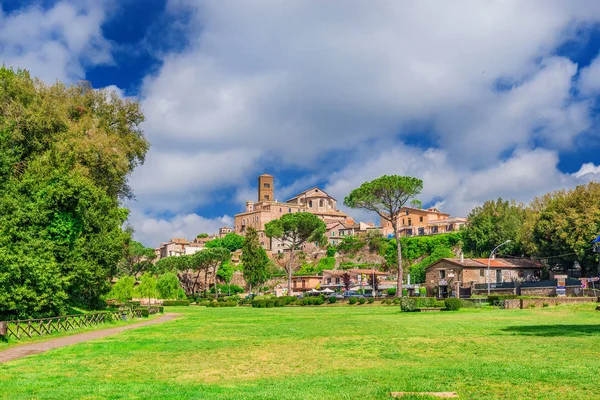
pixel 480 99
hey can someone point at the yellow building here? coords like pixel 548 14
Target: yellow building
pixel 418 222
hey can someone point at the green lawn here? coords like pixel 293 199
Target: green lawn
pixel 349 352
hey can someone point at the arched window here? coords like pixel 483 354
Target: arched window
pixel 321 203
pixel 310 203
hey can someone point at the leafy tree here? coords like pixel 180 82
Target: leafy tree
pixel 386 196
pixel 294 230
pixel 66 153
pixel 347 280
pixel 202 235
pixel 168 286
pixel 560 226
pixel 255 260
pixel 226 272
pixel 123 288
pixel 231 241
pixel 492 224
pixel 148 287
pixel 136 259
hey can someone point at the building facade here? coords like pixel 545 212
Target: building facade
pixel 448 276
pixel 419 222
pixel 267 209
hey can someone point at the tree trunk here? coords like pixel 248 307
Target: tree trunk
pixel 215 277
pixel 399 249
pixel 290 270
pixel 206 282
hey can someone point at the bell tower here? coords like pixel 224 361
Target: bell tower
pixel 266 190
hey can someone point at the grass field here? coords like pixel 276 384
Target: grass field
pixel 359 352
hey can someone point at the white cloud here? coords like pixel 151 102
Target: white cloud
pixel 55 43
pixel 151 231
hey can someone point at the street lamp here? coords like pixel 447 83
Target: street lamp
pixel 489 258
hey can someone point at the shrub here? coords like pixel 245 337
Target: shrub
pixel 170 303
pixel 371 300
pixel 423 291
pixel 408 304
pixel 331 251
pixel 404 292
pixel 352 300
pixel 145 311
pixel 332 299
pixel 362 300
pixel 495 298
pixel 396 301
pixel 439 304
pixel 214 303
pixel 391 292
pixel 161 309
pixel 545 305
pixel 425 302
pixel 453 304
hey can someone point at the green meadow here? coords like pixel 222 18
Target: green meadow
pixel 340 352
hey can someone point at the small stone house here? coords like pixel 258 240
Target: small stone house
pixel 448 275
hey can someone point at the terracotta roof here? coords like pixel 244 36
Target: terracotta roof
pixel 308 190
pixel 180 241
pixel 518 263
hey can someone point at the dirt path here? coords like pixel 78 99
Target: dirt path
pixel 35 348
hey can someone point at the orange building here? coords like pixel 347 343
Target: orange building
pixel 418 222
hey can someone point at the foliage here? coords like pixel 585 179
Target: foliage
pixel 391 291
pixel 226 271
pixel 122 290
pixel 408 304
pixel 362 300
pixel 172 303
pixel 492 224
pixel 562 225
pixel 352 300
pixel 231 241
pixel 346 280
pixel 326 263
pixel 137 259
pixel 233 289
pixel 148 287
pixel 332 299
pixel 371 300
pixel 66 153
pixel 331 250
pixel 294 230
pixel 168 286
pixel 453 304
pixel 255 260
pixel 386 196
pixel 351 244
pixel 202 235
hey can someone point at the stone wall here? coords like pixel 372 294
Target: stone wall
pixel 512 304
pixel 552 301
pixel 538 291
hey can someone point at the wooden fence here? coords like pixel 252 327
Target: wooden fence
pixel 46 326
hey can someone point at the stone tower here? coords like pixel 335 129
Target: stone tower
pixel 266 190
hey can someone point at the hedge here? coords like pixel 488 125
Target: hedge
pixel 169 303
pixel 453 304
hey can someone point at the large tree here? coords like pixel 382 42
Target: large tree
pixel 492 224
pixel 560 226
pixel 293 230
pixel 66 153
pixel 137 258
pixel 254 260
pixel 231 241
pixel 386 196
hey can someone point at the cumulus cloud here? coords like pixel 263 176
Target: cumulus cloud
pixel 151 230
pixel 55 43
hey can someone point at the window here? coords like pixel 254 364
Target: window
pixel 499 276
pixel 409 222
pixel 481 273
pixel 420 219
pixel 406 212
pixel 310 203
pixel 321 203
pixel 289 210
pixel 402 221
pixel 337 281
pixel 266 197
pixel 267 185
pixel 332 233
pixel 442 274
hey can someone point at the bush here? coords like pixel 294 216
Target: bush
pixel 408 304
pixel 545 305
pixel 423 291
pixel 161 309
pixel 352 300
pixel 332 299
pixel 362 300
pixel 391 292
pixel 171 303
pixel 396 301
pixel 494 298
pixel 453 304
pixel 331 251
pixel 371 300
pixel 145 311
pixel 425 302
